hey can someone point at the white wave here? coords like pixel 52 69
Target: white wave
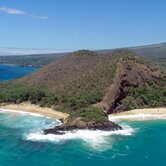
pixel 20 112
pixel 137 117
pixel 33 124
pixel 94 138
pixel 27 122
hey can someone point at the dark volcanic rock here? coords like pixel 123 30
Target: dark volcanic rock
pixel 77 124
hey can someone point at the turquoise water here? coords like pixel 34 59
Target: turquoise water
pixel 23 144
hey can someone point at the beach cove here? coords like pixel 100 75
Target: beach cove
pixel 34 109
pixel 23 143
pixel 136 144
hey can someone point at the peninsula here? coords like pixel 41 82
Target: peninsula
pixel 88 86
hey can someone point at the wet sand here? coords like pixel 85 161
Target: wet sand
pixel 30 108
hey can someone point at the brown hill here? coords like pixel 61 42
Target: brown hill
pixel 87 85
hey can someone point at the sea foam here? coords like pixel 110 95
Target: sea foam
pixel 27 122
pixel 20 112
pixel 94 138
pixel 33 124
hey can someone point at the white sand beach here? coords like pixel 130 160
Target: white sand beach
pixel 140 114
pixel 34 109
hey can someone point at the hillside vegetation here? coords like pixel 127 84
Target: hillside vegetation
pixel 90 85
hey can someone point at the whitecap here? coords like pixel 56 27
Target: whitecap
pixel 33 124
pixel 27 122
pixel 94 138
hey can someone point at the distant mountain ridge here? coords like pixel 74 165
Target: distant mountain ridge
pixel 25 51
pixel 155 52
pixel 150 51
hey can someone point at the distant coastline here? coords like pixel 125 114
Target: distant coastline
pixel 21 65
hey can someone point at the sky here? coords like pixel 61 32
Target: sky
pixel 81 24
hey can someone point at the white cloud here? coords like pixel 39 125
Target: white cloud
pixel 11 11
pixel 20 12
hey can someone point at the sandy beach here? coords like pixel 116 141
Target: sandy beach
pixel 30 108
pixel 140 114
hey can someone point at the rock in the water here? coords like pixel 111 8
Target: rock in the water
pixel 77 124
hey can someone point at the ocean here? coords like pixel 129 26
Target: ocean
pixel 23 144
pixel 9 72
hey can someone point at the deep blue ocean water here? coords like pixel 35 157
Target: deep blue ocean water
pixel 23 144
pixel 8 72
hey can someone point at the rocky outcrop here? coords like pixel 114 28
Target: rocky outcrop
pixel 129 74
pixel 78 124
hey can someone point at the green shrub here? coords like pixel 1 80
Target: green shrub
pixel 145 97
pixel 92 114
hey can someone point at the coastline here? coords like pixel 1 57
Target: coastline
pixel 140 114
pixel 67 126
pixel 34 109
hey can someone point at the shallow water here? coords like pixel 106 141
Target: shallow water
pixel 22 143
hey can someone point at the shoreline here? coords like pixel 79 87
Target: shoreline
pixel 75 124
pixel 140 114
pixel 133 115
pixel 33 110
